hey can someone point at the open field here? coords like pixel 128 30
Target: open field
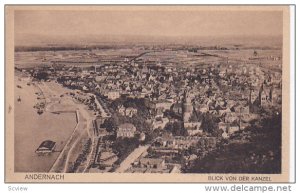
pixel 178 56
pixel 41 58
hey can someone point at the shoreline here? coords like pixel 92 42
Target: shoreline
pixel 31 129
pixel 52 169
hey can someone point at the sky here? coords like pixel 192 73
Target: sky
pixel 66 24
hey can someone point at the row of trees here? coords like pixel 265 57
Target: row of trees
pixel 82 157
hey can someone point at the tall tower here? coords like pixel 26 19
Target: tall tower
pixel 187 107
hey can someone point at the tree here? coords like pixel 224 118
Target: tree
pixel 111 124
pixel 176 129
pixel 261 154
pixel 255 53
pixel 124 146
pixel 140 123
pixel 41 75
pixel 209 123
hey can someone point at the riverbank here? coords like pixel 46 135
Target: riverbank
pixel 31 129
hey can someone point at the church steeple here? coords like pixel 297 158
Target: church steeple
pixel 187 106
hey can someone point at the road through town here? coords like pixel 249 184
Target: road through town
pixel 131 158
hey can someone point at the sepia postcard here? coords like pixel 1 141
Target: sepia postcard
pixel 157 93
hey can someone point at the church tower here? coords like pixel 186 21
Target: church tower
pixel 187 107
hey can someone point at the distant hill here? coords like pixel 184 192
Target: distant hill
pixel 61 40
